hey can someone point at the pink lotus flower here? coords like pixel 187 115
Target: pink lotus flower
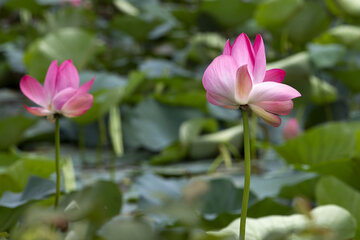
pixel 291 129
pixel 238 78
pixel 76 3
pixel 61 93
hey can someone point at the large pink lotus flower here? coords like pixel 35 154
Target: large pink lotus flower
pixel 239 78
pixel 61 93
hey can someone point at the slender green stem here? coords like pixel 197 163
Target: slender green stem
pixel 113 167
pixel 328 112
pixel 215 164
pixel 82 144
pixel 102 140
pixel 253 136
pixel 247 174
pixel 57 161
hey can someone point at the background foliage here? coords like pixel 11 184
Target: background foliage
pixel 152 159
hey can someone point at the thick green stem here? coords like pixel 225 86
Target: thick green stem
pixel 57 161
pixel 247 174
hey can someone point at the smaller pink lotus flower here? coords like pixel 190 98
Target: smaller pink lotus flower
pixel 76 3
pixel 291 129
pixel 238 78
pixel 61 93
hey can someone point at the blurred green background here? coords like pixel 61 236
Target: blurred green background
pixel 151 135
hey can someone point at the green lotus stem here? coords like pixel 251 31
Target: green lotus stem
pixel 247 173
pixel 82 144
pixel 102 140
pixel 253 135
pixel 57 160
pixel 113 167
